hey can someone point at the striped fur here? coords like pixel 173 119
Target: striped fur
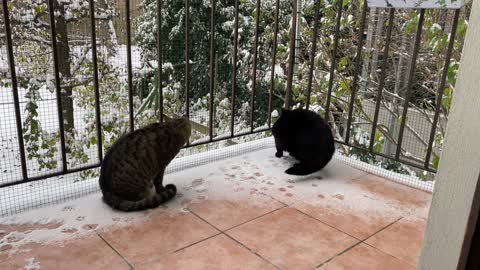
pixel 131 176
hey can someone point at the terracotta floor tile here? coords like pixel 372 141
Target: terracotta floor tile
pixel 292 240
pixel 402 240
pixel 160 234
pixel 219 252
pixel 364 257
pixel 398 195
pixel 350 212
pixel 225 214
pixel 90 252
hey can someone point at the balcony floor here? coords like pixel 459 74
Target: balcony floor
pixel 240 213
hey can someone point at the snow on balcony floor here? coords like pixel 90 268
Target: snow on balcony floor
pixel 238 213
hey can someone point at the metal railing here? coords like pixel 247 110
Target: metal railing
pixel 290 77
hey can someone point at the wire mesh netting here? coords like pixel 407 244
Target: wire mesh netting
pixel 380 82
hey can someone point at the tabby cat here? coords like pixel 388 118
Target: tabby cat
pixel 132 171
pixel 307 137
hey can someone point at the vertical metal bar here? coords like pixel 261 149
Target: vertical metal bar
pixel 334 59
pixel 291 58
pixel 95 80
pixel 58 88
pixel 418 38
pixel 274 56
pixel 187 60
pixel 129 67
pixel 16 102
pixel 255 59
pixel 358 66
pixel 313 51
pixel 159 58
pixel 383 74
pixel 441 88
pixel 234 69
pixel 212 67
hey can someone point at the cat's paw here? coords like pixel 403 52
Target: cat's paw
pixel 279 154
pixel 172 188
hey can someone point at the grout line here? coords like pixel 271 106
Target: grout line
pixel 323 222
pixel 273 198
pixel 383 251
pixel 251 251
pixel 116 251
pixel 204 220
pixel 339 254
pixel 391 255
pixel 382 229
pixel 240 224
pixel 197 242
pixel 223 232
pixel 363 242
pixel 227 229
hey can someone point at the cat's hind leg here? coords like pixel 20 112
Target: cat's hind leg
pixel 279 153
pixel 279 147
pixel 158 181
pixel 163 194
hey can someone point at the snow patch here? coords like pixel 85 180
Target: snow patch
pixel 32 264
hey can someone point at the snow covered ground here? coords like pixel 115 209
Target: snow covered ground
pixel 251 170
pixel 247 188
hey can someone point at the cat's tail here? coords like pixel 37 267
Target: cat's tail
pixel 153 201
pixel 306 168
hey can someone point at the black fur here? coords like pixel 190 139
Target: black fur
pixel 307 137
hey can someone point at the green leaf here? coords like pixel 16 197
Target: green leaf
pixel 436 161
pixel 93 140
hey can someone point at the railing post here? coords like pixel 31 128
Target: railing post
pixel 358 66
pixel 255 59
pixel 441 88
pixel 187 58
pixel 274 56
pixel 291 57
pixel 16 102
pixel 129 67
pixel 159 59
pixel 95 80
pixel 313 51
pixel 416 48
pixel 234 70
pixel 338 20
pixel 212 69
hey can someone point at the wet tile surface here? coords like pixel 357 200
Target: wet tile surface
pixel 395 194
pixel 349 214
pixel 90 252
pixel 239 213
pixel 217 253
pixel 158 235
pixel 224 214
pixel 292 240
pixel 364 257
pixel 402 239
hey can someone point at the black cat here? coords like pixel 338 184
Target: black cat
pixel 307 137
